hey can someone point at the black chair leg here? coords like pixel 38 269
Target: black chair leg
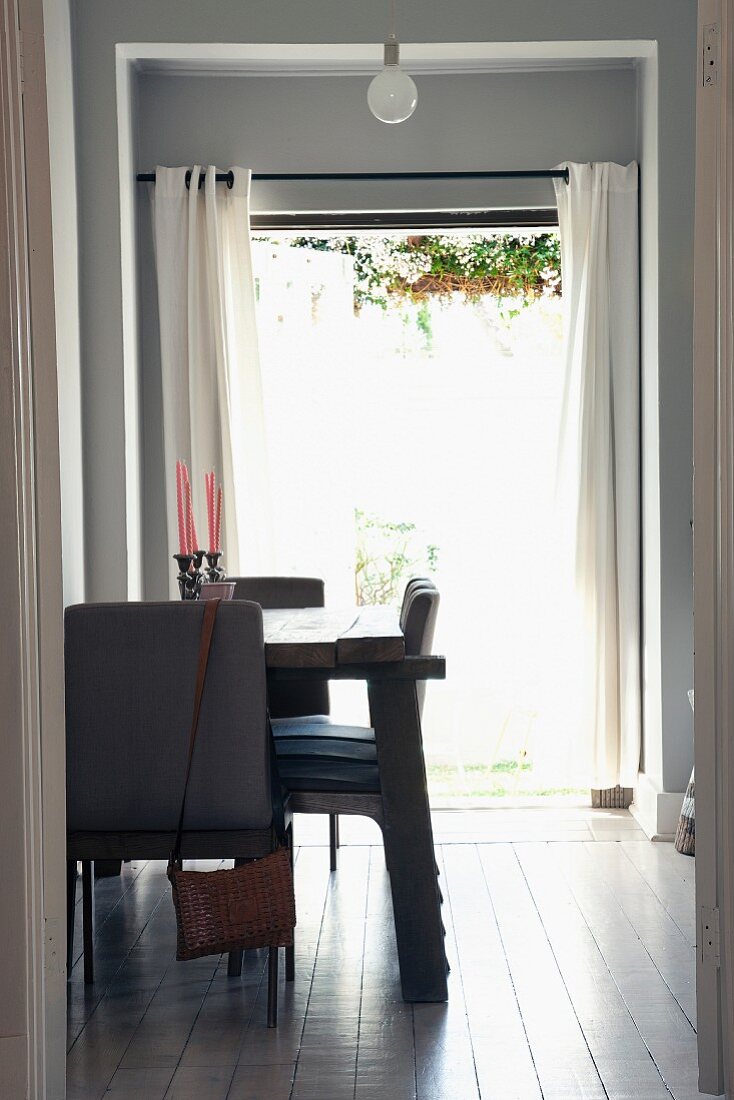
pixel 71 877
pixel 333 840
pixel 273 987
pixel 234 963
pixel 88 918
pixel 290 952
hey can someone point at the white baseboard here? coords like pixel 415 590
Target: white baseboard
pixel 656 812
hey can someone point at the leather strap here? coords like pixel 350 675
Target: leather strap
pixel 205 643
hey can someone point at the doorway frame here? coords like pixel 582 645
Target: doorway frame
pixel 284 59
pixel 713 510
pixel 33 1039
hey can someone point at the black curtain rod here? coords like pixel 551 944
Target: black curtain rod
pixel 314 177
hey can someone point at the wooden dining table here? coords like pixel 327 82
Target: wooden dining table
pixel 366 643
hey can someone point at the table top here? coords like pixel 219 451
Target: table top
pixel 318 637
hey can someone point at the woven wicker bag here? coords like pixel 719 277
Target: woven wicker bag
pixel 221 911
pixel 237 909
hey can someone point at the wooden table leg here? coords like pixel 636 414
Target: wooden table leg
pixel 409 840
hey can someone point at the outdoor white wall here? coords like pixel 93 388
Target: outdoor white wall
pixel 100 24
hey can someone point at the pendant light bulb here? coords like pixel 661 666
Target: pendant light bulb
pixel 392 96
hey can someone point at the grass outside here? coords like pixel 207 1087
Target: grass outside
pixel 503 779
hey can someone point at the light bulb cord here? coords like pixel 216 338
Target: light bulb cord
pixel 392 48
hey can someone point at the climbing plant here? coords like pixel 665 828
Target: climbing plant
pixel 522 266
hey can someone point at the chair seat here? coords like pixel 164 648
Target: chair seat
pixel 327 764
pixel 316 754
pixel 327 748
pixel 322 727
pixel 320 775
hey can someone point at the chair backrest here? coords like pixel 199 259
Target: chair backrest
pixel 130 674
pixel 411 586
pixel 418 621
pixel 275 593
pixel 288 700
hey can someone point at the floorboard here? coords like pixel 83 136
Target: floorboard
pixel 663 1025
pixel 660 935
pixel 671 877
pixel 623 1061
pixel 502 1056
pixel 563 1060
pixel 571 944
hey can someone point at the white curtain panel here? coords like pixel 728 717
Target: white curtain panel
pixel 600 457
pixel 212 393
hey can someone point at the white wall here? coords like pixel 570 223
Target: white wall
pixel 100 24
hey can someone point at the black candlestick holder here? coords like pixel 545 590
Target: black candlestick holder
pixel 189 580
pixel 214 573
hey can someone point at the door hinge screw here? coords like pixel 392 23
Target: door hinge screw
pixel 709 936
pixel 710 55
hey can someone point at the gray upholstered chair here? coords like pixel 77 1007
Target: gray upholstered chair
pixel 288 700
pixel 413 583
pixel 418 622
pixel 331 768
pixel 130 674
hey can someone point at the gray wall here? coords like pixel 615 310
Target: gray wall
pixel 99 24
pixel 322 123
pixel 318 123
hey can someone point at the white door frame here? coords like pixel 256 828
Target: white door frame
pixel 32 801
pixel 31 676
pixel 714 548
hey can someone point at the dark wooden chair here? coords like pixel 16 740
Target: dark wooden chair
pixel 130 674
pixel 332 768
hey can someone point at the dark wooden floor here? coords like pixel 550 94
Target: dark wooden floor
pixel 572 976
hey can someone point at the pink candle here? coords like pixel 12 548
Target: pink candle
pixel 194 536
pixel 218 530
pixel 209 512
pixel 189 518
pixel 180 508
pixel 212 529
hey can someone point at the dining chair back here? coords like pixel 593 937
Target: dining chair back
pixel 413 584
pixel 276 593
pixel 418 621
pixel 130 675
pixel 288 700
